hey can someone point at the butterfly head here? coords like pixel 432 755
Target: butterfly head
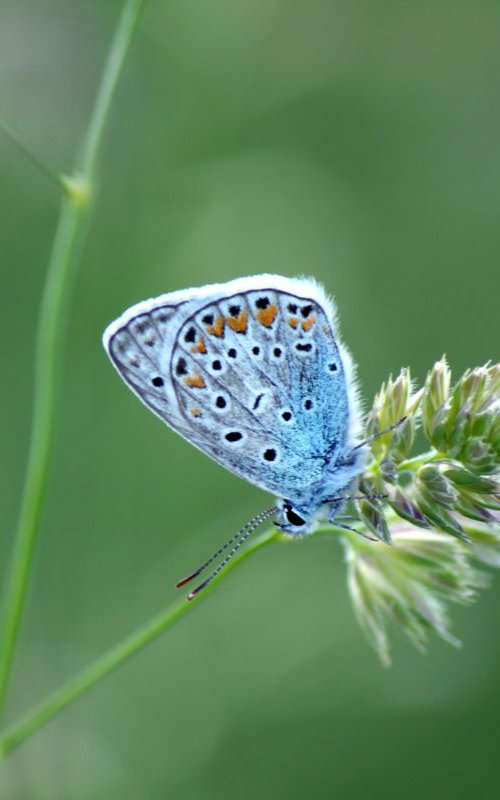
pixel 295 519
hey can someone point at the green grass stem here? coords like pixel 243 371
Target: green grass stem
pixel 118 655
pixel 75 207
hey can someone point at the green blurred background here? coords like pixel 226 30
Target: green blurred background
pixel 354 141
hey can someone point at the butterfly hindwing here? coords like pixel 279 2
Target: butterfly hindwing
pixel 261 378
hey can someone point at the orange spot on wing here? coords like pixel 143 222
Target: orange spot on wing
pixel 267 315
pixel 308 323
pixel 217 329
pixel 293 322
pixel 195 411
pixel 195 381
pixel 200 346
pixel 240 323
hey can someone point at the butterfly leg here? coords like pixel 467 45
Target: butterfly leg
pixel 354 530
pixel 345 498
pixel 380 433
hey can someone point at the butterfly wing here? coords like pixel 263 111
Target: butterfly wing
pixel 251 372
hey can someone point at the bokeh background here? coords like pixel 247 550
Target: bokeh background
pixel 354 141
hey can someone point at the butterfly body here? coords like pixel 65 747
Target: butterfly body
pixel 252 372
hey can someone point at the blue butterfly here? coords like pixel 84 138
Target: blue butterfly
pixel 253 373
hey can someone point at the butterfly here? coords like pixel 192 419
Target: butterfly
pixel 253 373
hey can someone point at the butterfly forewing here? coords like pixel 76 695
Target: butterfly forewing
pixel 137 346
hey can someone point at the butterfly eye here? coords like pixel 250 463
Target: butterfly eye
pixel 292 517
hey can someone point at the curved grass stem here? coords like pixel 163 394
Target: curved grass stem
pixel 41 165
pixel 74 212
pixel 117 656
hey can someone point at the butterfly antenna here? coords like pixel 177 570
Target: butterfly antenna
pixel 238 539
pixel 380 433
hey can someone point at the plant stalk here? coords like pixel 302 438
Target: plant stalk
pixel 75 209
pixel 118 655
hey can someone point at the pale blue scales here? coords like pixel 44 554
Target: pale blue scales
pixel 253 373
